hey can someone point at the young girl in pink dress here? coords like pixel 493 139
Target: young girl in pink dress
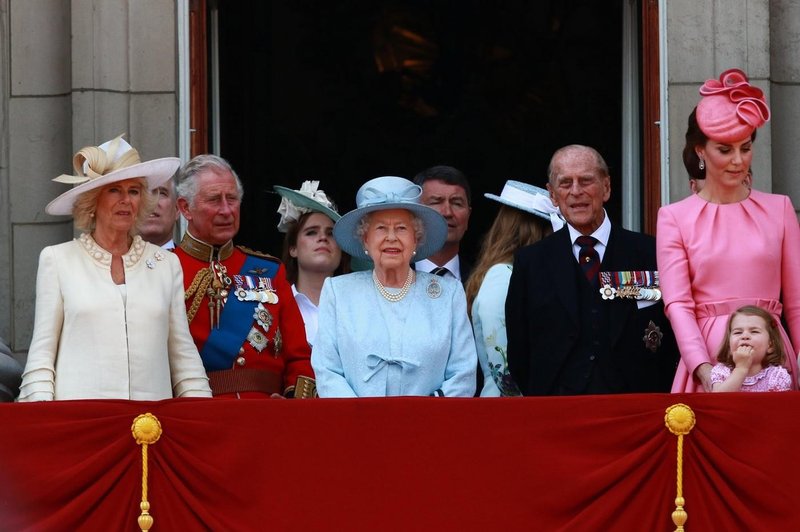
pixel 752 356
pixel 728 245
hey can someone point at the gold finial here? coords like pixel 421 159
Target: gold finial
pixel 680 421
pixel 146 430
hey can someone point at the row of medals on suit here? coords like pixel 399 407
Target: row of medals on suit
pixel 651 292
pixel 219 290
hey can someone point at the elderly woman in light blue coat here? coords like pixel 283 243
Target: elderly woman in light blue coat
pixel 391 330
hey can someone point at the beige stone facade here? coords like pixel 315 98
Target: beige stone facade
pixel 72 73
pixel 79 72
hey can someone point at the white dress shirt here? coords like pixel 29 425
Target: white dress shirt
pixel 453 267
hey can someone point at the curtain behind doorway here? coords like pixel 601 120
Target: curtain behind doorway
pixel 342 92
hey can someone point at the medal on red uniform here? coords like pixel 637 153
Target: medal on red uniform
pixel 257 339
pixel 217 292
pixel 249 288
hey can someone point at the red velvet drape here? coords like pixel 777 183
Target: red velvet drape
pixel 575 463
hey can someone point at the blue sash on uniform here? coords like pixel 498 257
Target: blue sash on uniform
pixel 236 320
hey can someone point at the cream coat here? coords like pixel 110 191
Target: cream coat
pixel 89 344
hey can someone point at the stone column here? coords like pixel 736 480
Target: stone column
pixel 785 90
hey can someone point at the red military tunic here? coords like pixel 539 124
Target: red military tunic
pixel 275 342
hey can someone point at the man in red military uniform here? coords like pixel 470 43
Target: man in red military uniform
pixel 242 314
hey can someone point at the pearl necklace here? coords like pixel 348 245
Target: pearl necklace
pixel 390 296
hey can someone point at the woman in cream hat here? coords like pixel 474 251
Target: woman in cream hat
pixel 728 245
pixel 390 330
pixel 526 216
pixel 310 253
pixel 110 321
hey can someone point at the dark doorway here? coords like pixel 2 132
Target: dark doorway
pixel 345 91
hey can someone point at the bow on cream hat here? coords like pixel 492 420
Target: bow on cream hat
pixel 112 161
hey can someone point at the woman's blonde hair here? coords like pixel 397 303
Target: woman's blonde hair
pixel 85 206
pixel 512 229
pixel 778 355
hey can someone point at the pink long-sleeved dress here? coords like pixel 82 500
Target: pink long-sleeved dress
pixel 713 259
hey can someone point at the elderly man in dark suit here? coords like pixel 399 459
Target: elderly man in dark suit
pixel 583 311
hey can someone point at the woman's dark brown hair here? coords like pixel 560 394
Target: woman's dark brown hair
pixel 290 241
pixel 695 137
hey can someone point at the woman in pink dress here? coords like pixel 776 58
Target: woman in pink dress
pixel 726 246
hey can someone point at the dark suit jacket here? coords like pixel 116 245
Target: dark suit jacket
pixel 465 267
pixel 543 318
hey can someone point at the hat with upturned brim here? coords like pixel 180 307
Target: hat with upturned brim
pixel 295 203
pixel 385 193
pixel 531 199
pixel 731 108
pixel 112 161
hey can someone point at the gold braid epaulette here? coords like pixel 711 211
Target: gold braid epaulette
pixel 255 253
pixel 197 289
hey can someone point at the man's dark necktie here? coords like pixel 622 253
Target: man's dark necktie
pixel 588 258
pixel 440 271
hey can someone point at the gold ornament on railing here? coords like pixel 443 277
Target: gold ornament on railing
pixel 679 420
pixel 146 430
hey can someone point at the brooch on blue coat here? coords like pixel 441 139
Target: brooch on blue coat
pixel 434 289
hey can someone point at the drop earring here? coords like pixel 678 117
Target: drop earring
pixel 702 164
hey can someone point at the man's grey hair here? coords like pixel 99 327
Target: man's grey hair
pixel 600 163
pixel 185 182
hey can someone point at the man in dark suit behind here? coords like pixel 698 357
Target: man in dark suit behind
pixel 565 337
pixel 447 190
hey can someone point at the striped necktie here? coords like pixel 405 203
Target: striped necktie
pixel 588 258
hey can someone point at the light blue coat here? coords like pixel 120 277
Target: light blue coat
pixel 489 323
pixel 367 346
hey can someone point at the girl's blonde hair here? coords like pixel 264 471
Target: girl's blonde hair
pixel 512 229
pixel 85 206
pixel 778 355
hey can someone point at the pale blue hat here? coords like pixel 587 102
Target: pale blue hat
pixel 530 198
pixel 384 193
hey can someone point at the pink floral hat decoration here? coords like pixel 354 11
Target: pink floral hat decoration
pixel 731 108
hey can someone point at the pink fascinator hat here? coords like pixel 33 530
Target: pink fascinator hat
pixel 731 109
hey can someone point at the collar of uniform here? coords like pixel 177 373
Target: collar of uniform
pixel 206 252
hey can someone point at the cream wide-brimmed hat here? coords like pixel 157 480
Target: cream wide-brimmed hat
pixel 112 161
pixel 384 193
pixel 529 198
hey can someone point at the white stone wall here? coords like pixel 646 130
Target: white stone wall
pixel 79 72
